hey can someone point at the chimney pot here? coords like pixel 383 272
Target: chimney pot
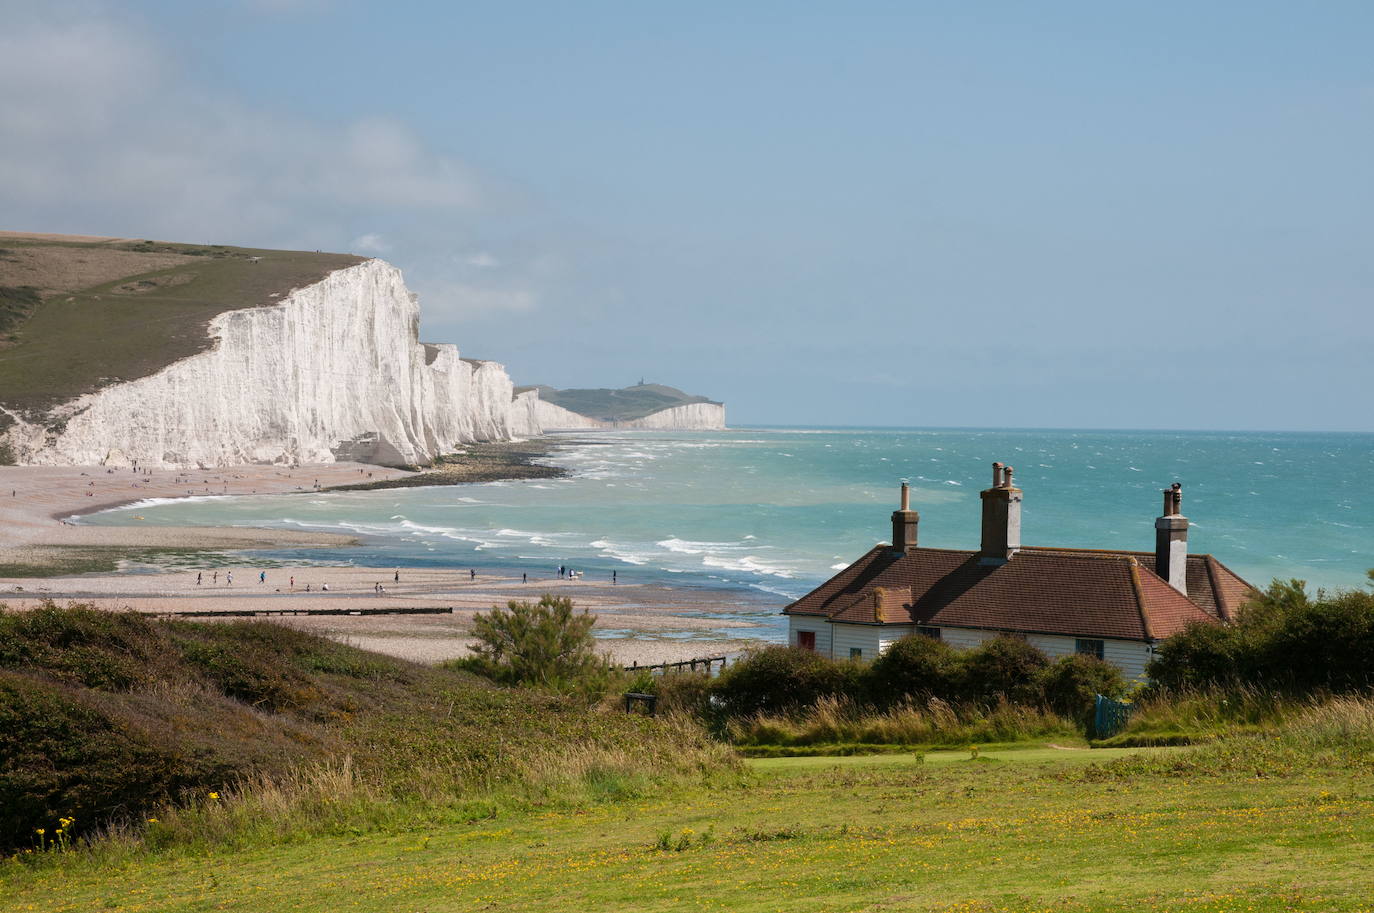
pixel 1171 540
pixel 904 523
pixel 1001 517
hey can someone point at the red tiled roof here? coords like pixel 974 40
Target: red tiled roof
pixel 1071 592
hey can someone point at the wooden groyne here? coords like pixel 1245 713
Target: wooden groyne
pixel 700 664
pixel 257 613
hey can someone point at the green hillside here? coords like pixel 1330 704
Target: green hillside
pixel 110 717
pixel 623 405
pixel 77 314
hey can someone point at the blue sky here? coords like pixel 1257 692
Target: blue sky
pixel 996 214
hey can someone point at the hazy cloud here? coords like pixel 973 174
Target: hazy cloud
pixel 370 243
pixel 102 134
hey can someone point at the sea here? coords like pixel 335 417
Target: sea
pixel 764 514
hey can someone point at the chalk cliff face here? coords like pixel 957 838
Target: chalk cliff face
pixel 335 371
pixel 555 418
pixel 689 417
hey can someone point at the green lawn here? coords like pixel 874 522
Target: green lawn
pixel 1041 829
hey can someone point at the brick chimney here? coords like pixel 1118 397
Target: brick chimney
pixel 1001 518
pixel 904 521
pixel 1171 540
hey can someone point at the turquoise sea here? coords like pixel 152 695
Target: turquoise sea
pixel 774 511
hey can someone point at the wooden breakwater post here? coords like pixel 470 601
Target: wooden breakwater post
pixel 701 663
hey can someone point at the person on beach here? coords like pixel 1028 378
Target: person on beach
pixel 293 581
pixel 613 578
pixel 472 574
pixel 307 588
pixel 197 578
pixel 396 577
pixel 524 578
pixel 229 578
pixel 324 588
pixel 262 576
pixel 215 577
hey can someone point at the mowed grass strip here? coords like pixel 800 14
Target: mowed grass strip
pixel 1031 834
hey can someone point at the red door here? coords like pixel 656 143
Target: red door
pixel 806 640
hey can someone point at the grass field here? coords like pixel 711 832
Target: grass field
pixel 1040 829
pixel 119 310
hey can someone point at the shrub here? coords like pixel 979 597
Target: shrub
pixel 1004 668
pixel 914 667
pixel 776 679
pixel 1283 639
pixel 542 644
pixel 1070 683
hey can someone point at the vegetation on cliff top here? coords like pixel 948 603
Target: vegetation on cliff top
pixel 78 315
pixel 624 405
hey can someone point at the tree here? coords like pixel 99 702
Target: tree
pixel 545 644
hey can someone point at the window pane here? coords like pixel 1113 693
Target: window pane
pixel 1090 647
pixel 856 653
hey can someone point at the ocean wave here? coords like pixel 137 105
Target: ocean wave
pixel 749 563
pixel 691 547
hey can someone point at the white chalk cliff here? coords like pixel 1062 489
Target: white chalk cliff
pixel 687 417
pixel 552 417
pixel 334 371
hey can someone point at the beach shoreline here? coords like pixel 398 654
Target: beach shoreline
pixel 44 558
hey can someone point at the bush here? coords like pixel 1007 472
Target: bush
pixel 1070 683
pixel 1283 639
pixel 543 644
pixel 777 679
pixel 914 667
pixel 1004 668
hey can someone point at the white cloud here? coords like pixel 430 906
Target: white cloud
pixel 465 300
pixel 100 123
pixel 370 243
pixel 105 135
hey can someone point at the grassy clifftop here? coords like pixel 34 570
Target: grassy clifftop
pixel 623 405
pixel 79 313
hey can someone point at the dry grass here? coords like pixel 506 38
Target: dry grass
pixel 933 723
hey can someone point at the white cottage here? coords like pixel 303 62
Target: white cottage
pixel 1113 605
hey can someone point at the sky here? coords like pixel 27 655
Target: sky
pixel 1059 214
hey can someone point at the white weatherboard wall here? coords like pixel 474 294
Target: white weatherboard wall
pixel 819 626
pixel 837 639
pixel 846 638
pixel 334 364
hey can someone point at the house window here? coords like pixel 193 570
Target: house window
pixel 856 653
pixel 806 640
pixel 1090 647
pixel 932 633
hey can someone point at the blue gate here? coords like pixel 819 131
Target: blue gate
pixel 1109 717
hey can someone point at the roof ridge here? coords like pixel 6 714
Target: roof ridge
pixel 1223 609
pixel 1140 599
pixel 1120 552
pixel 1086 554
